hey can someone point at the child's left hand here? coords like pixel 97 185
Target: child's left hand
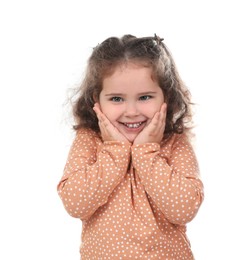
pixel 154 131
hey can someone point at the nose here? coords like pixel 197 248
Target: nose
pixel 131 109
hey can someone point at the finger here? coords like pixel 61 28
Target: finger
pixel 101 117
pixel 159 120
pixel 154 125
pixel 163 112
pixel 105 124
pixel 156 119
pixel 108 130
pixel 97 109
pixel 97 105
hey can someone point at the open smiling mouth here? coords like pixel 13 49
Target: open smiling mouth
pixel 133 125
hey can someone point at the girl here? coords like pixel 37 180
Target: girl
pixel 131 175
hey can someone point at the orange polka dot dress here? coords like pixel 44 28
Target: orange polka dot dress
pixel 133 200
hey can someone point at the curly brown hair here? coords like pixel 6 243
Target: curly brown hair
pixel 146 51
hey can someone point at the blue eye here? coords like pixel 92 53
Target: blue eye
pixel 116 99
pixel 143 98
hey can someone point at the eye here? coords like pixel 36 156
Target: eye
pixel 116 99
pixel 143 98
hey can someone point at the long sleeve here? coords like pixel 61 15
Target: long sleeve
pixel 92 172
pixel 170 176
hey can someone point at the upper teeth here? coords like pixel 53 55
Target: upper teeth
pixel 135 125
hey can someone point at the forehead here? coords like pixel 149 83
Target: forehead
pixel 130 74
pixel 121 65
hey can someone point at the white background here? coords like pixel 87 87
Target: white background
pixel 43 49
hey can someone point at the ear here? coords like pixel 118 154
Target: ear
pixel 95 98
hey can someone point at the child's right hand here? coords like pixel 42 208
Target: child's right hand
pixel 108 131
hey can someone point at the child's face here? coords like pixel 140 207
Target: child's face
pixel 130 98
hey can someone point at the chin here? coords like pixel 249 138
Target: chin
pixel 131 138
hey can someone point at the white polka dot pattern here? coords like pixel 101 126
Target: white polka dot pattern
pixel 134 201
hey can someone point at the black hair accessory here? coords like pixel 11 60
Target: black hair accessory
pixel 158 39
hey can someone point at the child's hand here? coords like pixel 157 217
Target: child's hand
pixel 154 131
pixel 108 131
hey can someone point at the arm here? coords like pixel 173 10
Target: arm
pixel 91 173
pixel 172 181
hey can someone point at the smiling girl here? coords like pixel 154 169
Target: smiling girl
pixel 132 176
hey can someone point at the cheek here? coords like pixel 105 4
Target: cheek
pixel 150 111
pixel 109 111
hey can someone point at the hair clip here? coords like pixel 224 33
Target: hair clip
pixel 158 39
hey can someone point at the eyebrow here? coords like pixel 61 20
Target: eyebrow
pixel 140 94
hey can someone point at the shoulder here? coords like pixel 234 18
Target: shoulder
pixel 174 138
pixel 175 141
pixel 86 132
pixel 85 135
